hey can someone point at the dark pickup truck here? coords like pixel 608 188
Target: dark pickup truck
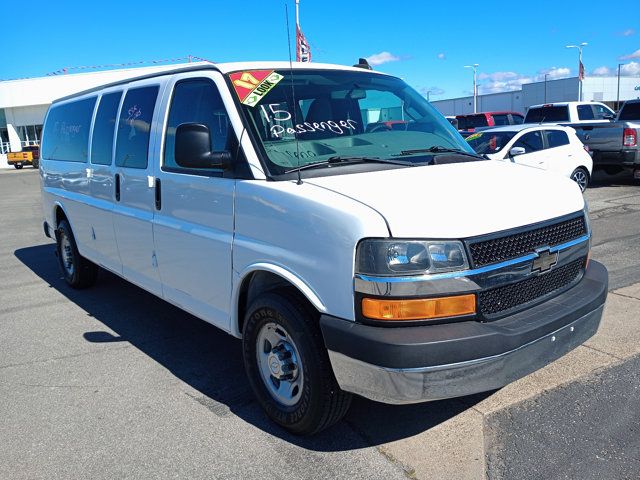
pixel 614 144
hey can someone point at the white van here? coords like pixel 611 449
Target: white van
pixel 330 218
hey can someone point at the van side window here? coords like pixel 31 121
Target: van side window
pixel 66 134
pixel 134 127
pixel 104 129
pixel 196 101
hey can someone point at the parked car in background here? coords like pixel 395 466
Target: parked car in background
pixel 569 112
pixel 470 123
pixel 549 147
pixel 452 120
pixel 615 144
pixel 28 156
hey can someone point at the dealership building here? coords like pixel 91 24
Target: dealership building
pixel 24 102
pixel 597 89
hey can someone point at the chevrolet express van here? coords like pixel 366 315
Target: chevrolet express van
pixel 330 218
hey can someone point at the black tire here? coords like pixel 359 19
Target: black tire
pixel 80 272
pixel 35 164
pixel 581 176
pixel 321 403
pixel 17 166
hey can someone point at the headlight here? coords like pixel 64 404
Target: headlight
pixel 409 257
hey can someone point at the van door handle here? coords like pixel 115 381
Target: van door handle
pixel 117 187
pixel 158 194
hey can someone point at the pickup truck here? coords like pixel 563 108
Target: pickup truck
pixel 28 156
pixel 614 144
pixel 569 113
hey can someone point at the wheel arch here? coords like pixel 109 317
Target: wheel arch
pixel 264 277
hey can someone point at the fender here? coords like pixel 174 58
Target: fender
pixel 287 275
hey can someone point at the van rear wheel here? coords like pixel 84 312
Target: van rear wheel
pixel 288 366
pixel 17 166
pixel 78 272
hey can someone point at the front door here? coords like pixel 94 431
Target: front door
pixel 193 223
pixel 535 154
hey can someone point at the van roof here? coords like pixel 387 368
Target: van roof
pixel 224 68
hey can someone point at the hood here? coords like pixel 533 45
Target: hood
pixel 459 200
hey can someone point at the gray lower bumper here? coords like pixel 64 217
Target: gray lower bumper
pixel 412 385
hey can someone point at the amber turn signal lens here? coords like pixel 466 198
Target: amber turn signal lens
pixel 418 309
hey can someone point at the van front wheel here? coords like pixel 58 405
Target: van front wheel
pixel 288 366
pixel 78 271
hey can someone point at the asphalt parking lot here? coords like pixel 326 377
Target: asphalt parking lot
pixel 112 382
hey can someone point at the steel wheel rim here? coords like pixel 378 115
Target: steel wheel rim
pixel 279 364
pixel 580 178
pixel 67 254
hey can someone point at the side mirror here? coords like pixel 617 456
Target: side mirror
pixel 609 116
pixel 193 148
pixel 517 151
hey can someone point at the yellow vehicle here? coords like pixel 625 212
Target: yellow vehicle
pixel 28 156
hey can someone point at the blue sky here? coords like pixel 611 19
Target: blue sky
pixel 426 43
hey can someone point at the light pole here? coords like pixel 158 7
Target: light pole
pixel 618 96
pixel 428 94
pixel 580 67
pixel 545 87
pixel 475 86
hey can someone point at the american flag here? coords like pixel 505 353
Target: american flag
pixel 303 50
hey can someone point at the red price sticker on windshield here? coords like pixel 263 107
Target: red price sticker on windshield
pixel 253 85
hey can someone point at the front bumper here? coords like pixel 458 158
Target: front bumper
pixel 431 362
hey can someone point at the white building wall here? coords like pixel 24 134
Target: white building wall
pixel 31 115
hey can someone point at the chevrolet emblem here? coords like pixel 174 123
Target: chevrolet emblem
pixel 544 261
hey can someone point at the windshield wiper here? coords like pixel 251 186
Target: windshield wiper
pixel 347 160
pixel 438 149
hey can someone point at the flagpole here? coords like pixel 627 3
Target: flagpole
pixel 297 13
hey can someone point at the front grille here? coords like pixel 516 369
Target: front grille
pixel 501 299
pixel 485 252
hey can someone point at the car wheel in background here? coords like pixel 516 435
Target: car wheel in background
pixel 288 366
pixel 581 176
pixel 17 166
pixel 78 272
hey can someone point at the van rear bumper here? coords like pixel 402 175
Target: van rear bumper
pixel 415 364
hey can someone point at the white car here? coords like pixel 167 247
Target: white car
pixel 549 147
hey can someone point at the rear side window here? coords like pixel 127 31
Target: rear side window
pixel 630 111
pixel 517 119
pixel 104 129
pixel 558 113
pixel 501 119
pixel 196 101
pixel 585 112
pixel 557 138
pixel 134 127
pixel 66 133
pixel 531 142
pixel 472 121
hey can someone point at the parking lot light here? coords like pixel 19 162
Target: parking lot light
pixel 475 86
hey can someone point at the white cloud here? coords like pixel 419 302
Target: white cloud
pixel 382 57
pixel 442 56
pixel 510 81
pixel 635 54
pixel 433 90
pixel 630 69
pixel 628 32
pixel 602 71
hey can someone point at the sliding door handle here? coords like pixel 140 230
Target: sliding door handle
pixel 158 194
pixel 117 187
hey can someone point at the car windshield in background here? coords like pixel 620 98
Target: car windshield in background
pixel 338 115
pixel 631 111
pixel 472 121
pixel 547 114
pixel 489 142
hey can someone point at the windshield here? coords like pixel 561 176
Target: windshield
pixel 547 114
pixel 489 142
pixel 339 114
pixel 466 122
